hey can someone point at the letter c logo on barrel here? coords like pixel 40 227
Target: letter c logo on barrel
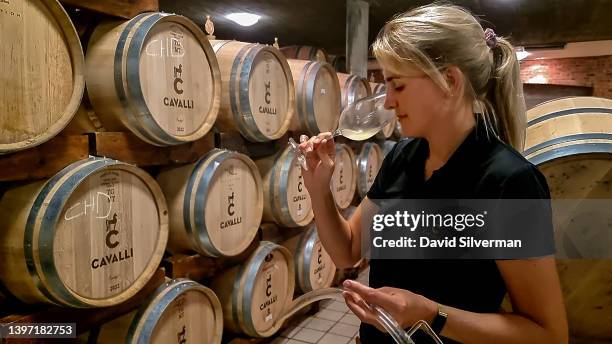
pixel 111 233
pixel 178 74
pixel 267 97
pixel 269 285
pixel 230 207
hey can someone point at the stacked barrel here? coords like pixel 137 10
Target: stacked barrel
pixel 258 92
pixel 94 232
pixel 43 75
pixel 180 311
pixel 91 236
pixel 569 139
pixel 155 75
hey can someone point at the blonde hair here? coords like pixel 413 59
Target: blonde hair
pixel 437 36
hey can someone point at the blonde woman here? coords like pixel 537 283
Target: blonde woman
pixel 439 65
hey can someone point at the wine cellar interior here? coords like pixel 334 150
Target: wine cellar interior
pixel 148 193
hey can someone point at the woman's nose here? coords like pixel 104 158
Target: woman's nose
pixel 389 102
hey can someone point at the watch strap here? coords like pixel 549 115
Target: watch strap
pixel 439 321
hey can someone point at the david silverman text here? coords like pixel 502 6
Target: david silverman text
pixel 424 242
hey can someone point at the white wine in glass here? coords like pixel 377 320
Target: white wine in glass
pixel 358 121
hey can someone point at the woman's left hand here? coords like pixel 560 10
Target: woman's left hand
pixel 406 307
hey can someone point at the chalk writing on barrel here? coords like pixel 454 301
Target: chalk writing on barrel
pixel 81 208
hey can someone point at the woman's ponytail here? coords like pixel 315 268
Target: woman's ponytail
pixel 505 96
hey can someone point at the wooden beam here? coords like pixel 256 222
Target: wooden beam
pixel 127 147
pixel 45 160
pixel 119 8
pixel 235 141
pixel 194 267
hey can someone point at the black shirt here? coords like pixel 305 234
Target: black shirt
pixel 482 167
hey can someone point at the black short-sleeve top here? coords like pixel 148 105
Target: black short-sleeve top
pixel 482 167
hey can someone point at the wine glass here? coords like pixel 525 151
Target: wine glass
pixel 358 121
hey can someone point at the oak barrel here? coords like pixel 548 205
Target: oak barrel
pixel 215 204
pixel 353 87
pixel 378 87
pixel 387 146
pixel 570 140
pixel 258 94
pixel 286 200
pixel 180 311
pixel 42 72
pixel 255 294
pixel 368 162
pixel 344 178
pixel 304 52
pixel 338 62
pixel 314 268
pixel 90 236
pixel 387 131
pixel 317 95
pixel 155 75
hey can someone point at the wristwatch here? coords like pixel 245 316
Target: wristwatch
pixel 439 321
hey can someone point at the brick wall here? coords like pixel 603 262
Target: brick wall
pixel 595 72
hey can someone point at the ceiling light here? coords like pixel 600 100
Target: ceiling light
pixel 521 53
pixel 243 18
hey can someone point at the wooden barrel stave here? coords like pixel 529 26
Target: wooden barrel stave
pixel 317 93
pixel 286 200
pixel 387 146
pixel 368 162
pixel 569 140
pixel 387 131
pixel 170 314
pixel 257 277
pixel 189 188
pixel 182 107
pixel 304 52
pixel 339 63
pixel 378 88
pixel 45 71
pixel 344 179
pixel 247 109
pixel 353 88
pixel 313 266
pixel 40 242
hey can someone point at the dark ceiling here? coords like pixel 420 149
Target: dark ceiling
pixel 322 22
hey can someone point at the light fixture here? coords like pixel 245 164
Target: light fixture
pixel 243 18
pixel 521 53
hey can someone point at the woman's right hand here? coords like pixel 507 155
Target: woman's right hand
pixel 320 153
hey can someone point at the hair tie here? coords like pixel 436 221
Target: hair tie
pixel 490 38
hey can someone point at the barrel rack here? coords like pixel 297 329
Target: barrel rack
pixel 52 156
pixel 47 159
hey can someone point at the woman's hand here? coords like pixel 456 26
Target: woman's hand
pixel 320 152
pixel 406 307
